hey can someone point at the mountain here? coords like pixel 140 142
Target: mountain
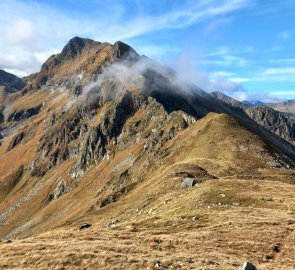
pixel 253 103
pixel 78 62
pixel 110 161
pixel 282 124
pixel 228 100
pixel 279 123
pixel 287 106
pixel 9 83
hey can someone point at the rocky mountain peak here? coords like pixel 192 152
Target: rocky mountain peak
pixel 74 47
pixel 122 49
pixel 80 56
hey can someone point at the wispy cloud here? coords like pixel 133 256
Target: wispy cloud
pixel 285 35
pixel 240 79
pixel 214 26
pixel 30 31
pixel 280 71
pixel 221 73
pixel 277 74
pixel 282 61
pixel 284 93
pixel 227 60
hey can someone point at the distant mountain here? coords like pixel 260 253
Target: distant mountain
pixel 280 123
pixel 228 100
pixel 9 83
pixel 253 103
pixel 287 106
pixel 283 124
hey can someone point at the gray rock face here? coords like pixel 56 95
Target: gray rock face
pixel 16 140
pixel 94 146
pixel 282 124
pixel 58 143
pixel 122 50
pixel 247 266
pixel 24 114
pixel 188 182
pixel 60 188
pixel 287 106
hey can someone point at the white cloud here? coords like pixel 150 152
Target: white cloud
pixel 232 60
pixel 220 73
pixel 223 50
pixel 215 81
pixel 30 31
pixel 282 61
pixel 278 74
pixel 240 79
pixel 279 71
pixel 223 57
pixel 283 93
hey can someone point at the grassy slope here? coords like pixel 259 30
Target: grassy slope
pixel 237 219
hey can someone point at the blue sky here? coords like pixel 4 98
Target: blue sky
pixel 244 48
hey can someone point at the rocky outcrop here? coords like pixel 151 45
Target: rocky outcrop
pixel 59 141
pixel 287 106
pixel 279 123
pixel 94 147
pixel 122 50
pixel 16 140
pixel 20 115
pixel 60 188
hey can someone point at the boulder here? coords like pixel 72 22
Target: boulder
pixel 7 241
pixel 160 265
pixel 111 224
pixel 84 226
pixel 247 266
pixel 188 182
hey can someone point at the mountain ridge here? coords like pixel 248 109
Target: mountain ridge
pixel 286 106
pixel 112 139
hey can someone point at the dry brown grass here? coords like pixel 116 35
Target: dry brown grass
pixel 222 237
pixel 236 220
